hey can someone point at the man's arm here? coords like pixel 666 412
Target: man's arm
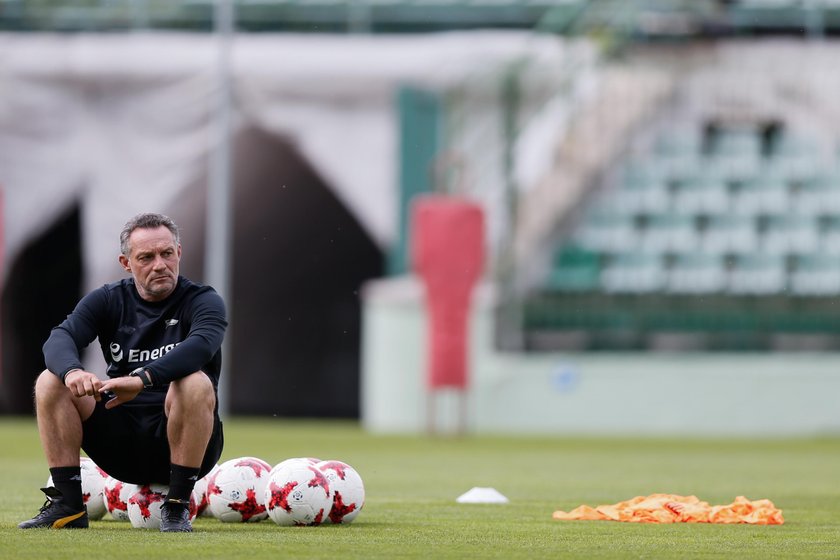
pixel 207 330
pixel 66 341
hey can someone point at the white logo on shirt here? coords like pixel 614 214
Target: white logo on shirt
pixel 116 352
pixel 138 355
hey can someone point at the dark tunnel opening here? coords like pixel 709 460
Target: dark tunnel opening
pixel 299 258
pixel 43 285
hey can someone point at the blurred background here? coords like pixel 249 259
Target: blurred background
pixel 659 181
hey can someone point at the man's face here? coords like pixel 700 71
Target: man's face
pixel 153 260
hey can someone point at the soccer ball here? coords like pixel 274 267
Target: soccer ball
pixel 115 496
pixel 236 492
pixel 347 489
pixel 295 460
pixel 200 490
pixel 144 506
pixel 298 493
pixel 93 486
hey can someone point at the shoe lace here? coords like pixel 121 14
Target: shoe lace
pixel 48 503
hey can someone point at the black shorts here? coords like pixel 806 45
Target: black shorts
pixel 129 442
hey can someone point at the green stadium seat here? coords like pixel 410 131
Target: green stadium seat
pixel 636 199
pixel 669 233
pixel 635 272
pixel 790 235
pixel 728 233
pixel 763 15
pixel 642 172
pixel 653 199
pixel 795 158
pixel 736 141
pixel 830 237
pixel 575 269
pixel 761 195
pixel 735 153
pixel 701 194
pixel 818 196
pixel 677 168
pixel 815 275
pixel 735 168
pixel 758 274
pixel 679 141
pixel 697 273
pixel 606 232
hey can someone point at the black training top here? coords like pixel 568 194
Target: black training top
pixel 171 338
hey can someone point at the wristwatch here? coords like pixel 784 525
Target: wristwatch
pixel 143 375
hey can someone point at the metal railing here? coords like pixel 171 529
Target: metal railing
pixel 336 16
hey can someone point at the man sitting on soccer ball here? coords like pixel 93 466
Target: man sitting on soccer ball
pixel 155 419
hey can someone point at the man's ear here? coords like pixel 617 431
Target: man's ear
pixel 124 262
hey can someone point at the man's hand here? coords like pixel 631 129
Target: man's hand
pixel 125 389
pixel 83 383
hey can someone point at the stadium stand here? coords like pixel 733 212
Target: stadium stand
pixel 697 273
pixel 621 20
pixel 728 232
pixel 815 275
pixel 318 16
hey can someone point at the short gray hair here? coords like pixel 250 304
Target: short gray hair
pixel 147 221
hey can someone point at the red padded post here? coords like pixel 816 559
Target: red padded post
pixel 448 254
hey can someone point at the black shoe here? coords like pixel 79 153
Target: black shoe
pixel 55 514
pixel 175 517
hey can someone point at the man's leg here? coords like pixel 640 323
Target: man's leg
pixel 60 416
pixel 189 407
pixel 189 411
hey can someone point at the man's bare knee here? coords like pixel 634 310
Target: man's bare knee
pixel 48 386
pixel 45 380
pixel 194 391
pixel 50 392
pixel 194 384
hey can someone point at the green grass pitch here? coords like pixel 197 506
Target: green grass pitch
pixel 412 483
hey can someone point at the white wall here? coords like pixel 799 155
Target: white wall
pixel 755 394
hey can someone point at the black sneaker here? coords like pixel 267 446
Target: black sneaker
pixel 175 517
pixel 55 514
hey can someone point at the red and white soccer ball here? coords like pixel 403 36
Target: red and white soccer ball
pixel 297 493
pixel 200 491
pixel 93 486
pixel 236 492
pixel 294 460
pixel 347 488
pixel 144 506
pixel 115 495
